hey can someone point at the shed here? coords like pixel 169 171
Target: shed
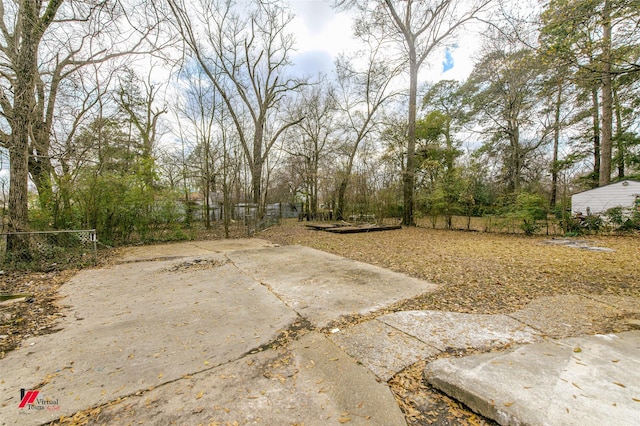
pixel 624 194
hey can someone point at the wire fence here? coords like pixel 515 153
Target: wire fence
pixel 48 250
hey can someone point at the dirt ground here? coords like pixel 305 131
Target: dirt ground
pixel 478 272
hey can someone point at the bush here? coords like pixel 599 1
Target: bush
pixel 623 220
pixel 592 223
pixel 530 208
pixel 530 227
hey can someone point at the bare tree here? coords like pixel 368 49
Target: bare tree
pixel 251 55
pixel 41 45
pixel 419 28
pixel 19 49
pixel 311 138
pixel 361 94
pixel 200 110
pixel 79 102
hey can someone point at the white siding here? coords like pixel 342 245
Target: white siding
pixel 602 199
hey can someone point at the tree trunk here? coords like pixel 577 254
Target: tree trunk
pixel 256 166
pixel 314 181
pixel 342 194
pixel 29 27
pixel 26 70
pixel 409 174
pixel 41 173
pixel 596 134
pixel 516 155
pixel 40 165
pixel 607 98
pixel 619 138
pixel 19 167
pixel 556 142
pixel 19 178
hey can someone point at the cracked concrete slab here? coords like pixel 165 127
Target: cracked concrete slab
pixel 383 349
pixel 590 380
pixel 189 249
pixel 188 336
pixel 444 330
pixel 138 325
pixel 308 382
pixel 628 305
pixel 577 316
pixel 322 287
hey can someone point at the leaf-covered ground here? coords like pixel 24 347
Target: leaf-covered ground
pixel 481 272
pixel 33 314
pixel 478 273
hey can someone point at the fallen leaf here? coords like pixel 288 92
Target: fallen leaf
pixel 200 394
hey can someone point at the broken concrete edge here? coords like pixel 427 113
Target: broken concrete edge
pixel 359 317
pixel 486 383
pixel 473 401
pixel 294 331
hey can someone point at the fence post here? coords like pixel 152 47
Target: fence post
pixel 94 240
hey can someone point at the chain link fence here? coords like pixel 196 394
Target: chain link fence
pixel 48 250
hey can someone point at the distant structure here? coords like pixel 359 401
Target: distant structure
pixel 625 194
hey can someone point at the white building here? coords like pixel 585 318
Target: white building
pixel 624 194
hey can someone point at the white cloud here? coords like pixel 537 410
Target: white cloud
pixel 322 34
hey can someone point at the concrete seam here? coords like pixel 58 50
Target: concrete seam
pixel 265 285
pixel 408 334
pixel 524 323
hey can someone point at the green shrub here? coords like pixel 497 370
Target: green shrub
pixel 530 208
pixel 622 220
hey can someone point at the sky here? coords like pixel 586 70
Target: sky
pixel 323 33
